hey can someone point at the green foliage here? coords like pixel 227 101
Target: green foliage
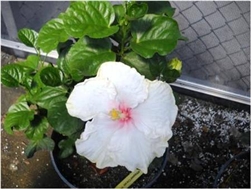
pixel 61 121
pixel 47 96
pixel 51 76
pixel 85 56
pixel 136 10
pixel 142 65
pixel 92 18
pixel 66 147
pixel 161 35
pixel 31 63
pixel 18 117
pixel 172 70
pixel 160 8
pixel 51 34
pixel 87 34
pixel 28 37
pixel 45 143
pixel 14 75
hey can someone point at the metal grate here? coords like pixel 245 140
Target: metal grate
pixel 219 42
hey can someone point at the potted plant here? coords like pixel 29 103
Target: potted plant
pixel 107 95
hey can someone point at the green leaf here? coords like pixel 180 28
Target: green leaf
pixel 31 63
pixel 119 11
pixel 13 75
pixel 160 7
pixel 154 34
pixel 139 63
pixel 51 34
pixel 45 143
pixel 136 10
pixel 30 150
pixel 28 37
pixel 37 129
pixel 85 56
pixel 61 121
pixel 63 49
pixel 18 117
pixel 49 95
pixel 51 76
pixel 157 65
pixel 170 76
pixel 92 18
pixel 66 147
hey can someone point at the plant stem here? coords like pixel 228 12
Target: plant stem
pixel 125 26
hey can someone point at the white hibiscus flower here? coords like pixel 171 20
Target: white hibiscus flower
pixel 129 118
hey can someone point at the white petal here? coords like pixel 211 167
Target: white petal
pixel 130 85
pixel 91 97
pixel 156 115
pixel 132 149
pixel 95 139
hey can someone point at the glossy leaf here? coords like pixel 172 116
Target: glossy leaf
pixel 30 150
pixel 51 76
pixel 28 37
pixel 160 7
pixel 66 147
pixel 139 63
pixel 14 75
pixel 18 117
pixel 61 121
pixel 37 129
pixel 154 34
pixel 85 56
pixel 45 143
pixel 51 34
pixel 119 11
pixel 157 65
pixel 63 49
pixel 31 63
pixel 92 18
pixel 136 10
pixel 49 95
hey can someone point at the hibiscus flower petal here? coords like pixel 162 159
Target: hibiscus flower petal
pixel 132 149
pixel 91 97
pixel 95 139
pixel 156 115
pixel 130 85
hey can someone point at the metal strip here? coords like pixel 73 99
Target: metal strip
pixel 20 46
pixel 211 91
pixel 178 83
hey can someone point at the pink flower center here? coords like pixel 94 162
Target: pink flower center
pixel 122 114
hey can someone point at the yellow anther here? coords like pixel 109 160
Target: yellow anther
pixel 115 114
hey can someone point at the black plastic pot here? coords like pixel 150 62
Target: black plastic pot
pixel 149 183
pixel 240 156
